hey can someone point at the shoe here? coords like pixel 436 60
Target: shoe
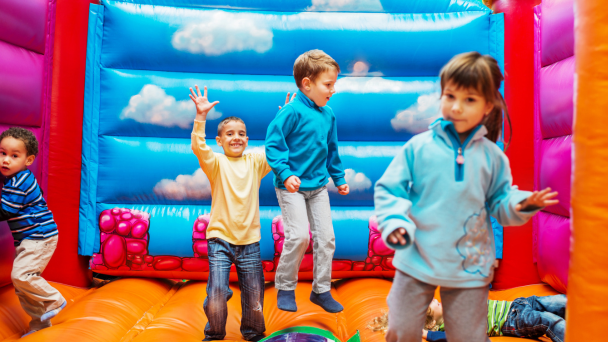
pixel 326 301
pixel 29 333
pixel 286 301
pixel 50 314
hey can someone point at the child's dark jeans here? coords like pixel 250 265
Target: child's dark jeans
pixel 537 316
pixel 248 264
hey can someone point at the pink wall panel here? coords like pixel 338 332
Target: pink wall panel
pixel 555 171
pixel 556 84
pixel 23 22
pixel 554 250
pixel 21 85
pixel 557 34
pixel 554 89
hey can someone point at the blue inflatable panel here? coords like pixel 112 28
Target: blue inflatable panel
pixel 165 171
pixel 154 103
pixel 398 6
pixel 267 43
pixel 142 57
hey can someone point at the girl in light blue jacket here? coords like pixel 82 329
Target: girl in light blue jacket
pixel 435 200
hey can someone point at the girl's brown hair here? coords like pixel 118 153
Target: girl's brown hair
pixel 480 72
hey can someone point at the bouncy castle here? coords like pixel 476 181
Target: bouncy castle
pixel 104 87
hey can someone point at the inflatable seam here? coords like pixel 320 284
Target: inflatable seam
pixel 537 132
pixel 87 235
pixel 148 316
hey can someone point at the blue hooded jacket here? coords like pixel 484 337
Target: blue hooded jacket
pixel 445 206
pixel 302 141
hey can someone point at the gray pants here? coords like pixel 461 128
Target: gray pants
pixel 35 294
pixel 299 209
pixel 465 311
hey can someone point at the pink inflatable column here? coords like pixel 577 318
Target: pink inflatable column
pixel 26 53
pixel 554 73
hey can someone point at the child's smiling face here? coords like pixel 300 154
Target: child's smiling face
pixel 322 89
pixel 13 156
pixel 233 139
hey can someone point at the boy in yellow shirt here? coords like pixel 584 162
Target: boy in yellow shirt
pixel 233 233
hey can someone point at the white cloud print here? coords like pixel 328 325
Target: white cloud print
pixel 364 85
pixel 152 105
pixel 346 5
pixel 357 181
pixel 220 32
pixel 185 187
pixel 417 117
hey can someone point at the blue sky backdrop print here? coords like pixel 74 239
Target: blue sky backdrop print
pixel 266 43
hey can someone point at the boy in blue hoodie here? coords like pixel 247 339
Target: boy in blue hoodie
pixel 302 149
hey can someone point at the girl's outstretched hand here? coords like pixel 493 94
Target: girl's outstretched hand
pixel 398 237
pixel 538 199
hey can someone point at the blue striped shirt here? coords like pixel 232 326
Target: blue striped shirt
pixel 22 196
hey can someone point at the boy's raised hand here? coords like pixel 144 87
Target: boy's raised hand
pixel 287 98
pixel 538 199
pixel 203 106
pixel 292 184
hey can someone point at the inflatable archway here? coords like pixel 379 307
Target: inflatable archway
pixel 143 195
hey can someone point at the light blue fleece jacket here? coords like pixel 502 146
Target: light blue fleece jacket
pixel 445 206
pixel 302 140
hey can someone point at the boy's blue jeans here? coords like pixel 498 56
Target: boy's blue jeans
pixel 537 316
pixel 248 264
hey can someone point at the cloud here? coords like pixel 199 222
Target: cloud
pixel 185 187
pixel 346 5
pixel 219 32
pixel 152 105
pixel 361 85
pixel 417 117
pixel 357 181
pixel 475 247
pixel 256 149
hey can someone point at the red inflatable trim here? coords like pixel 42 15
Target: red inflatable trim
pixel 517 267
pixel 65 140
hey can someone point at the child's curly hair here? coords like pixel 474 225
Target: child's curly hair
pixel 430 324
pixel 28 138
pixel 380 323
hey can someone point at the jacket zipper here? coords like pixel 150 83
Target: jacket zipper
pixel 459 165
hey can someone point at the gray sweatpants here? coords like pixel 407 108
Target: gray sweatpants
pixel 299 209
pixel 465 311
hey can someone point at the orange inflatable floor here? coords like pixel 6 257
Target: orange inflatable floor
pixel 138 309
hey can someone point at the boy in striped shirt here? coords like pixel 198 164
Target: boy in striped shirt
pixel 34 230
pixel 530 317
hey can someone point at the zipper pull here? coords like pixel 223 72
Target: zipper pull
pixel 460 158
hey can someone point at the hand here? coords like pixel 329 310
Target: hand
pixel 287 99
pixel 292 184
pixel 425 333
pixel 538 199
pixel 343 189
pixel 398 237
pixel 202 103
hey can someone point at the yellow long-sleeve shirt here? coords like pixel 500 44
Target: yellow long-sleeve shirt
pixel 235 189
